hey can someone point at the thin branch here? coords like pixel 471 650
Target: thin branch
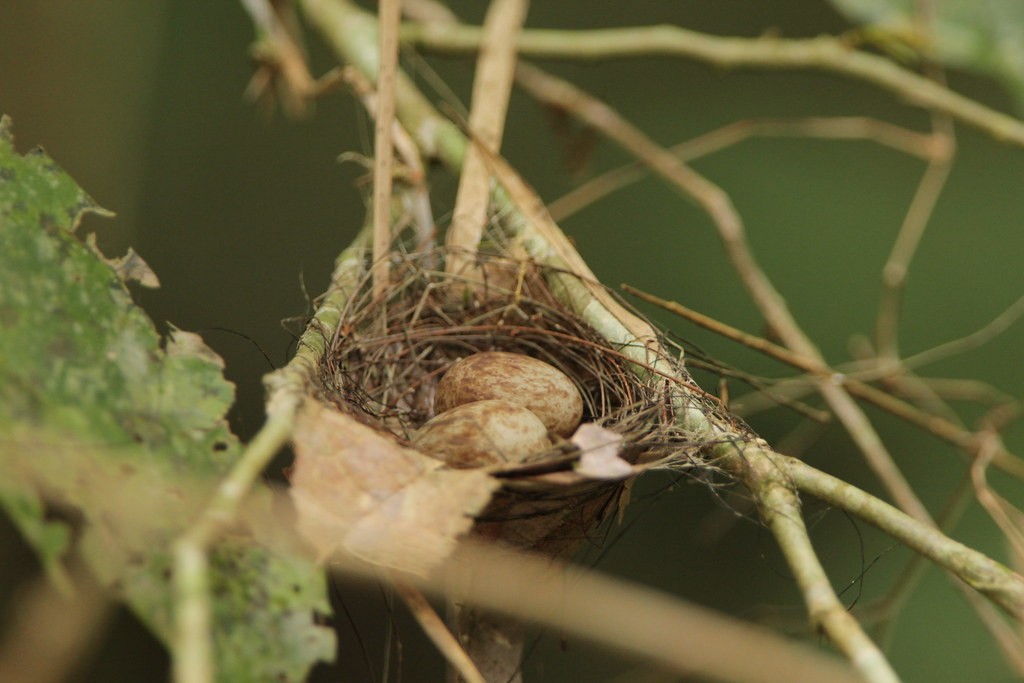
pixel 492 89
pixel 282 54
pixel 390 16
pixel 438 633
pixel 937 426
pixel 887 608
pixel 897 266
pixel 894 273
pixel 990 578
pixel 827 128
pixel 932 393
pixel 779 507
pixel 405 146
pixel 632 619
pixel 981 336
pixel 1007 517
pixel 824 53
pixel 427 11
pixel 717 204
pixel 957 389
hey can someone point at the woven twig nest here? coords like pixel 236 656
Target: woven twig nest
pixel 384 362
pixel 361 485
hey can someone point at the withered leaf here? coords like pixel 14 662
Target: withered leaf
pixel 129 268
pixel 359 492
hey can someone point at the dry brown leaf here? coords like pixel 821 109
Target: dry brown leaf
pixel 378 501
pixel 129 268
pixel 600 453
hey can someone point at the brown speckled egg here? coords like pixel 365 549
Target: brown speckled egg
pixel 483 433
pixel 519 379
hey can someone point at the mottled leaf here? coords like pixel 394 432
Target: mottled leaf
pixel 358 491
pixel 96 416
pixel 982 35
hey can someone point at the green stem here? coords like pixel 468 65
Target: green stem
pixel 824 53
pixel 992 579
pixel 779 507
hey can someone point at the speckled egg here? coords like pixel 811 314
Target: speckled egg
pixel 483 433
pixel 533 384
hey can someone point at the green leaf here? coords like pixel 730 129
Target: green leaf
pixel 986 36
pixel 98 414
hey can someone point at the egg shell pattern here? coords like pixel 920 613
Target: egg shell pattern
pixel 483 433
pixel 519 379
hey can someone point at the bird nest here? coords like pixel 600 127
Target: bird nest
pixel 383 364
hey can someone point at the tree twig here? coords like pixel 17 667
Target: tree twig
pixel 1007 517
pixel 492 88
pixel 896 268
pixel 425 228
pixel 937 426
pixel 438 633
pixel 633 619
pixel 824 53
pixel 827 128
pixel 779 507
pixel 982 335
pixel 990 578
pixel 283 50
pixel 717 204
pixel 390 16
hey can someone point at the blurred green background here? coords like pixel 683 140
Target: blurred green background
pixel 240 214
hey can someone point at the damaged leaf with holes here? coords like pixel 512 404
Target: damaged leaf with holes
pixel 101 418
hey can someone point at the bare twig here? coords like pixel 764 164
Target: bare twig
pixel 390 16
pixel 894 273
pixel 886 609
pixel 1007 517
pixel 939 427
pixel 824 53
pixel 405 146
pixel 632 619
pixel 491 91
pixel 957 389
pixel 438 633
pixel 828 128
pixel 719 207
pixel 990 578
pixel 981 336
pixel 779 507
pixel 280 53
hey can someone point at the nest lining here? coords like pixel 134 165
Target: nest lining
pixel 385 359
